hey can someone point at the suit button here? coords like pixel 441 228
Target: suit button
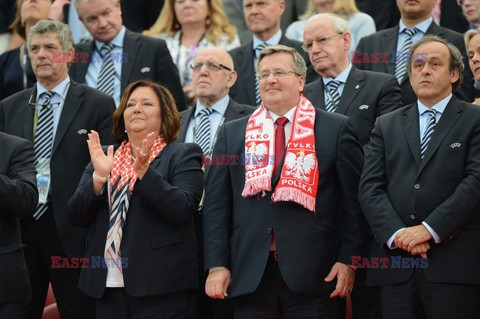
pixel 269 230
pixel 417 186
pixel 412 216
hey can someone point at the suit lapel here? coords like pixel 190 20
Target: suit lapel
pixel 352 87
pixel 131 46
pixel 389 45
pixel 184 121
pixel 29 113
pixel 316 94
pixel 247 68
pixel 411 126
pixel 71 106
pixel 449 117
pixel 82 68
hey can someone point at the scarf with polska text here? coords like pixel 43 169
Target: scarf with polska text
pixel 299 176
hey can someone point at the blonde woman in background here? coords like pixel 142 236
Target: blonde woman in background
pixel 360 24
pixel 472 44
pixel 189 25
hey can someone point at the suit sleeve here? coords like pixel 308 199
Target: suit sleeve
pixel 105 122
pixel 390 97
pixel 175 197
pixel 354 229
pixel 168 75
pixel 463 205
pixel 217 210
pixel 18 189
pixel 382 217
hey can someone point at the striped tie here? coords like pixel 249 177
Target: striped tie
pixel 106 78
pixel 401 61
pixel 432 121
pixel 43 143
pixel 258 49
pixel 333 98
pixel 202 132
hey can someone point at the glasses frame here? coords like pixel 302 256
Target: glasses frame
pixel 210 66
pixel 276 74
pixel 325 39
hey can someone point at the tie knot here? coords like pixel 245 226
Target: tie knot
pixel 47 97
pixel 206 111
pixel 430 112
pixel 334 84
pixel 106 49
pixel 260 47
pixel 410 32
pixel 281 121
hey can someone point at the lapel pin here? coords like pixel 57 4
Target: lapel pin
pixel 357 87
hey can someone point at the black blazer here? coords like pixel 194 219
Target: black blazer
pixel 366 96
pixel 84 109
pixel 19 197
pixel 398 189
pixel 158 236
pixel 238 231
pixel 243 91
pixel 148 59
pixel 385 41
pixel 12 74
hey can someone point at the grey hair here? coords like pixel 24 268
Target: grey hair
pixel 340 25
pixel 62 31
pixel 77 3
pixel 456 58
pixel 299 66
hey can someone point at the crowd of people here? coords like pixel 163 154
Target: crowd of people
pixel 219 159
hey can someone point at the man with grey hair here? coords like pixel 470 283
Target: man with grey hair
pixel 281 214
pixel 117 57
pixel 420 192
pixel 56 115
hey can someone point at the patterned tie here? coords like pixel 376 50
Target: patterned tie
pixel 106 78
pixel 258 49
pixel 401 61
pixel 43 142
pixel 333 98
pixel 427 135
pixel 202 132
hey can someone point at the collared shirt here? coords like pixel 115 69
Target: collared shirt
pixel 275 39
pixel 422 27
pixel 342 77
pixel 290 115
pixel 216 119
pixel 57 101
pixel 96 64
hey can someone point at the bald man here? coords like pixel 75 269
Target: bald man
pixel 213 76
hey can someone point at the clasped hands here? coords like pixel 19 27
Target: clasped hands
pixel 414 240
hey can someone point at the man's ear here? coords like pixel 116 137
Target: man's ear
pixel 232 79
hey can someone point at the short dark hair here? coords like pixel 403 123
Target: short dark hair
pixel 168 111
pixel 456 59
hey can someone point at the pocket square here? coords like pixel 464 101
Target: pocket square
pixel 363 107
pixel 145 69
pixel 82 131
pixel 455 145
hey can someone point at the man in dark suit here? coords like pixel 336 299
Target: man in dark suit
pixel 362 95
pixel 19 195
pixel 133 55
pixel 278 235
pixel 386 50
pixel 420 191
pixel 57 114
pixel 263 20
pixel 213 76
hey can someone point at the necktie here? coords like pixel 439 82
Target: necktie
pixel 106 78
pixel 258 49
pixel 333 98
pixel 401 61
pixel 43 142
pixel 427 135
pixel 279 142
pixel 202 132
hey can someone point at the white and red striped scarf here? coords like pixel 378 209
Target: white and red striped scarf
pixel 120 186
pixel 299 177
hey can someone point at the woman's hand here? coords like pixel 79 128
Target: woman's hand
pixel 56 10
pixel 143 155
pixel 102 163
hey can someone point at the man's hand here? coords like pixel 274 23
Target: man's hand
pixel 217 283
pixel 410 237
pixel 421 249
pixel 345 279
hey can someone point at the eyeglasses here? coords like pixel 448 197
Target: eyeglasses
pixel 308 45
pixel 196 67
pixel 278 74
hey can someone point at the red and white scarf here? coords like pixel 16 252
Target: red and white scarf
pixel 299 177
pixel 120 187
